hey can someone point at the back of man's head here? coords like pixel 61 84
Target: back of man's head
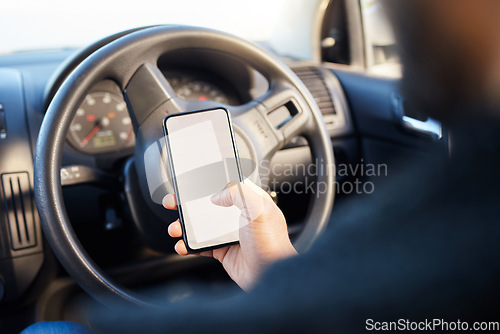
pixel 450 51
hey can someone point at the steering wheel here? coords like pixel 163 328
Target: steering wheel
pixel 131 62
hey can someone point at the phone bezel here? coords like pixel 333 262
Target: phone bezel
pixel 174 178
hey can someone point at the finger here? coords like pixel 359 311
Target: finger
pixel 246 197
pixel 232 194
pixel 180 248
pixel 169 202
pixel 223 198
pixel 175 229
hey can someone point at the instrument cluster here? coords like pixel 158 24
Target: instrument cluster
pixel 102 122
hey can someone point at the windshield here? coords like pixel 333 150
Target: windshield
pixel 284 26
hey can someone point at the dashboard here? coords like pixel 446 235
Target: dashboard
pixel 98 158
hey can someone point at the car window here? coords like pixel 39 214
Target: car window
pixel 380 45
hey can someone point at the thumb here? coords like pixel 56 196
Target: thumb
pixel 229 196
pixel 247 197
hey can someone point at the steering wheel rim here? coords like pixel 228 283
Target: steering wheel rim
pixel 120 61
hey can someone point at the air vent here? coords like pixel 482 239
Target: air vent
pixel 314 81
pixel 19 207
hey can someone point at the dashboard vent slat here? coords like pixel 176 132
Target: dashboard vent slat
pixel 19 208
pixel 314 81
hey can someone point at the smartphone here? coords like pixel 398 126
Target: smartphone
pixel 203 159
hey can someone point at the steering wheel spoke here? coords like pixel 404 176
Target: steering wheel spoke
pixel 286 110
pixel 273 119
pixel 146 91
pixel 251 119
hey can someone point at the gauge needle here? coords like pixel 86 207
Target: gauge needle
pixel 92 133
pixel 129 134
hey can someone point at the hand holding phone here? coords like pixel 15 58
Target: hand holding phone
pixel 235 222
pixel 262 242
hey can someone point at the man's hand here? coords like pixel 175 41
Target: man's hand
pixel 263 233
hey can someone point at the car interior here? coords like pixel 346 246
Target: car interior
pixel 79 131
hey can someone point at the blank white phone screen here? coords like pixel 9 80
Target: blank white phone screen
pixel 203 161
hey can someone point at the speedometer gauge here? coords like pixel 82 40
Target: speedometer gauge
pixel 201 91
pixel 199 85
pixel 101 124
